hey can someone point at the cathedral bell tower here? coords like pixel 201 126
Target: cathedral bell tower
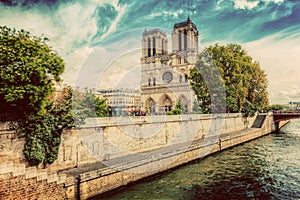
pixel 154 43
pixel 164 76
pixel 185 40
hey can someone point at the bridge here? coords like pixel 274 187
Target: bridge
pixel 284 116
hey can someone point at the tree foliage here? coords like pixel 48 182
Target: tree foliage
pixel 274 107
pixel 43 132
pixel 196 107
pixel 208 85
pixel 28 68
pixel 87 104
pixel 244 80
pixel 179 108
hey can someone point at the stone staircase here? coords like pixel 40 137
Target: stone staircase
pixel 259 121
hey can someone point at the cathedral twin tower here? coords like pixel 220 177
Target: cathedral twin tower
pixel 184 40
pixel 165 75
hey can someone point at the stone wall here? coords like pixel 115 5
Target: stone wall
pixel 108 138
pixel 105 139
pixel 99 181
pixel 93 184
pixel 11 147
pixel 20 182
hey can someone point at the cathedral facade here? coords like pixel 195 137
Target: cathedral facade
pixel 165 75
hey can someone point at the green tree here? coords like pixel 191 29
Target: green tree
pixel 87 104
pixel 245 82
pixel 28 69
pixel 179 108
pixel 101 107
pixel 180 105
pixel 274 107
pixel 43 132
pixel 196 107
pixel 198 84
pixel 207 83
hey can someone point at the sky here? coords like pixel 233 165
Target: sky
pixel 100 40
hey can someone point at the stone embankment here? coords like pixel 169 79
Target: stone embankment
pixel 111 152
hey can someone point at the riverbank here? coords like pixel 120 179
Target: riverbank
pixel 95 179
pixel 91 180
pixel 113 152
pixel 264 168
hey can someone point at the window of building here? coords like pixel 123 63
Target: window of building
pixel 180 78
pixel 154 81
pixel 154 46
pixel 162 46
pixel 186 78
pixel 149 82
pixel 179 41
pixel 185 40
pixel 149 47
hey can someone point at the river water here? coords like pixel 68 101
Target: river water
pixel 265 168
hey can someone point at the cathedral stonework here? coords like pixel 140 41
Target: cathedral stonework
pixel 165 75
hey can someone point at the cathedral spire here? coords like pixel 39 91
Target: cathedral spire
pixel 188 19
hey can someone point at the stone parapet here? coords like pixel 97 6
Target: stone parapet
pixel 30 172
pixel 111 137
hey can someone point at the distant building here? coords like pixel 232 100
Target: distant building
pixel 122 101
pixel 294 105
pixel 164 76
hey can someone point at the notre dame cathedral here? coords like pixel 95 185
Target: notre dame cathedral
pixel 165 75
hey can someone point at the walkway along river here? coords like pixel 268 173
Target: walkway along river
pixel 265 168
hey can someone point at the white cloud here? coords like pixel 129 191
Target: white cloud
pixel 165 13
pixel 74 62
pixel 250 4
pixel 280 59
pixel 70 28
pixel 109 65
pixel 291 94
pixel 122 72
pixel 78 23
pixel 274 1
pixel 245 4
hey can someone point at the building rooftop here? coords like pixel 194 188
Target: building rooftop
pixel 153 31
pixel 185 23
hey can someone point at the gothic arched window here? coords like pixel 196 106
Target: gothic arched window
pixel 180 78
pixel 149 81
pixel 154 81
pixel 186 78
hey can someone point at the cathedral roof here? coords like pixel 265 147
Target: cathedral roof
pixel 153 31
pixel 185 23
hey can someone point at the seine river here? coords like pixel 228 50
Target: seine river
pixel 266 168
